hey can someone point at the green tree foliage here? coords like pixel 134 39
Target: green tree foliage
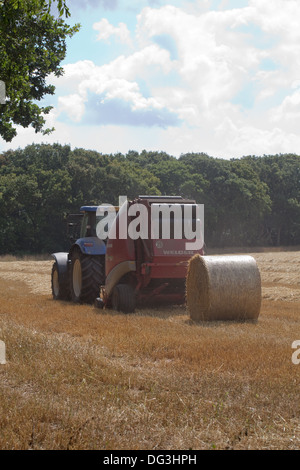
pixel 250 201
pixel 32 46
pixel 281 174
pixel 41 184
pixel 98 178
pixel 35 195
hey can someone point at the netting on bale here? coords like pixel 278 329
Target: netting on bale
pixel 223 288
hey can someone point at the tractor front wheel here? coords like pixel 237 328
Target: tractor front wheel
pixel 86 277
pixel 123 298
pixel 60 290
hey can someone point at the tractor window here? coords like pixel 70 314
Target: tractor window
pixel 88 226
pixel 84 224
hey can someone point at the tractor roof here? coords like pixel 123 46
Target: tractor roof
pixel 88 208
pixel 94 208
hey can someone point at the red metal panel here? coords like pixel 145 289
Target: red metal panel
pixel 162 270
pixel 118 249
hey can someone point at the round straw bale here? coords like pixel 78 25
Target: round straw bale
pixel 223 288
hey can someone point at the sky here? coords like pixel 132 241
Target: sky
pixel 215 76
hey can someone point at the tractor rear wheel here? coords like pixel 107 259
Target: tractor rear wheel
pixel 60 290
pixel 123 298
pixel 86 277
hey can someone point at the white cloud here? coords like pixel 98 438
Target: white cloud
pixel 140 63
pixel 106 30
pixel 288 113
pixel 73 105
pixel 219 54
pixel 213 63
pixel 115 80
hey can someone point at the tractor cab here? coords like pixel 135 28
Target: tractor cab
pixel 79 273
pixel 82 230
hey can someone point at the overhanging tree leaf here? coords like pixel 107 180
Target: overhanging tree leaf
pixel 32 46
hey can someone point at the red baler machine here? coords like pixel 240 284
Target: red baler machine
pixel 151 267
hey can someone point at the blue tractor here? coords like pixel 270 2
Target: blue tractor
pixel 78 274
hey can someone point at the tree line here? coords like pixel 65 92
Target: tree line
pixel 251 201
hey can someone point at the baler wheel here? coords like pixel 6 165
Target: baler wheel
pixel 86 277
pixel 123 298
pixel 60 290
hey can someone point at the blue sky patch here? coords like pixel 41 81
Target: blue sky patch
pixel 167 42
pixel 257 37
pixel 246 97
pixel 227 4
pixel 268 64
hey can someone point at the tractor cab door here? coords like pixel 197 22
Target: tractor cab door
pixel 88 225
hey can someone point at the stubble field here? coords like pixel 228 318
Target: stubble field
pixel 80 378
